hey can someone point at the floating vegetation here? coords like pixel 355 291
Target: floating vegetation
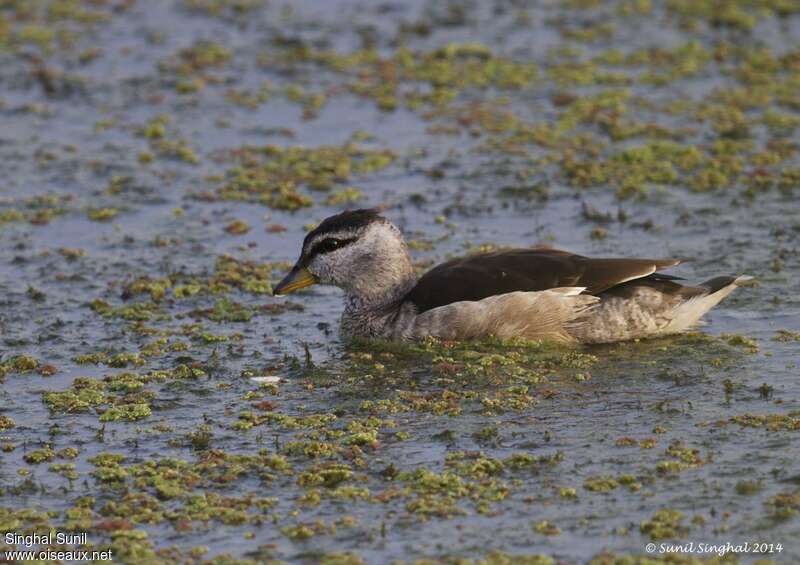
pixel 161 166
pixel 665 524
pixel 274 176
pixel 771 422
pixel 391 81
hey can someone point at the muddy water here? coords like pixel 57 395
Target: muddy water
pixel 124 121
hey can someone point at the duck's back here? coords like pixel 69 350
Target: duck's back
pixel 477 277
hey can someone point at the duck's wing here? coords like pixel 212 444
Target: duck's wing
pixel 480 276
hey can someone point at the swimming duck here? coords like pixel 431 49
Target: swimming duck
pixel 534 293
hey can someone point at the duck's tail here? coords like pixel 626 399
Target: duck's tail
pixel 689 313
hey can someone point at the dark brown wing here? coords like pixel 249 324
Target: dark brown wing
pixel 480 276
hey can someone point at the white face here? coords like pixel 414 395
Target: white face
pixel 329 256
pixel 360 261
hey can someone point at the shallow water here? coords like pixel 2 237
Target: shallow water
pixel 497 435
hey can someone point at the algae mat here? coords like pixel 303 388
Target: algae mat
pixel 160 162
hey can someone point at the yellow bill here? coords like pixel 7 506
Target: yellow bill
pixel 299 277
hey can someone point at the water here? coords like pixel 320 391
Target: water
pixel 462 175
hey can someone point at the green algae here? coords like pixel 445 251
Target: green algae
pixel 19 364
pixel 389 433
pixel 227 311
pixel 48 25
pixel 66 470
pixel 103 214
pixel 785 505
pixel 108 469
pixel 743 16
pixel 274 176
pixel 329 476
pixel 447 71
pixel 546 528
pixel 230 273
pixel 665 524
pixel 770 422
pixel 116 397
pixel 130 412
pixel 199 57
pixel 472 482
pixel 224 7
pixel 681 459
pixel 600 484
pixel 40 456
pixel 786 336
pixel 141 311
pixel 82 395
pixel 745 342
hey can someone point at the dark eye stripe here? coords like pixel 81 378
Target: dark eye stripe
pixel 328 245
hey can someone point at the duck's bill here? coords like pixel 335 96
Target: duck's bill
pixel 299 277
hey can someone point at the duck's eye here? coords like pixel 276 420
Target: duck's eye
pixel 328 245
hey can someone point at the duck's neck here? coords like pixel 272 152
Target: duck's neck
pixel 371 307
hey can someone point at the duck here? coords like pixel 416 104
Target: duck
pixel 536 293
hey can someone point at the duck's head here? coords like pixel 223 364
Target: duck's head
pixel 359 251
